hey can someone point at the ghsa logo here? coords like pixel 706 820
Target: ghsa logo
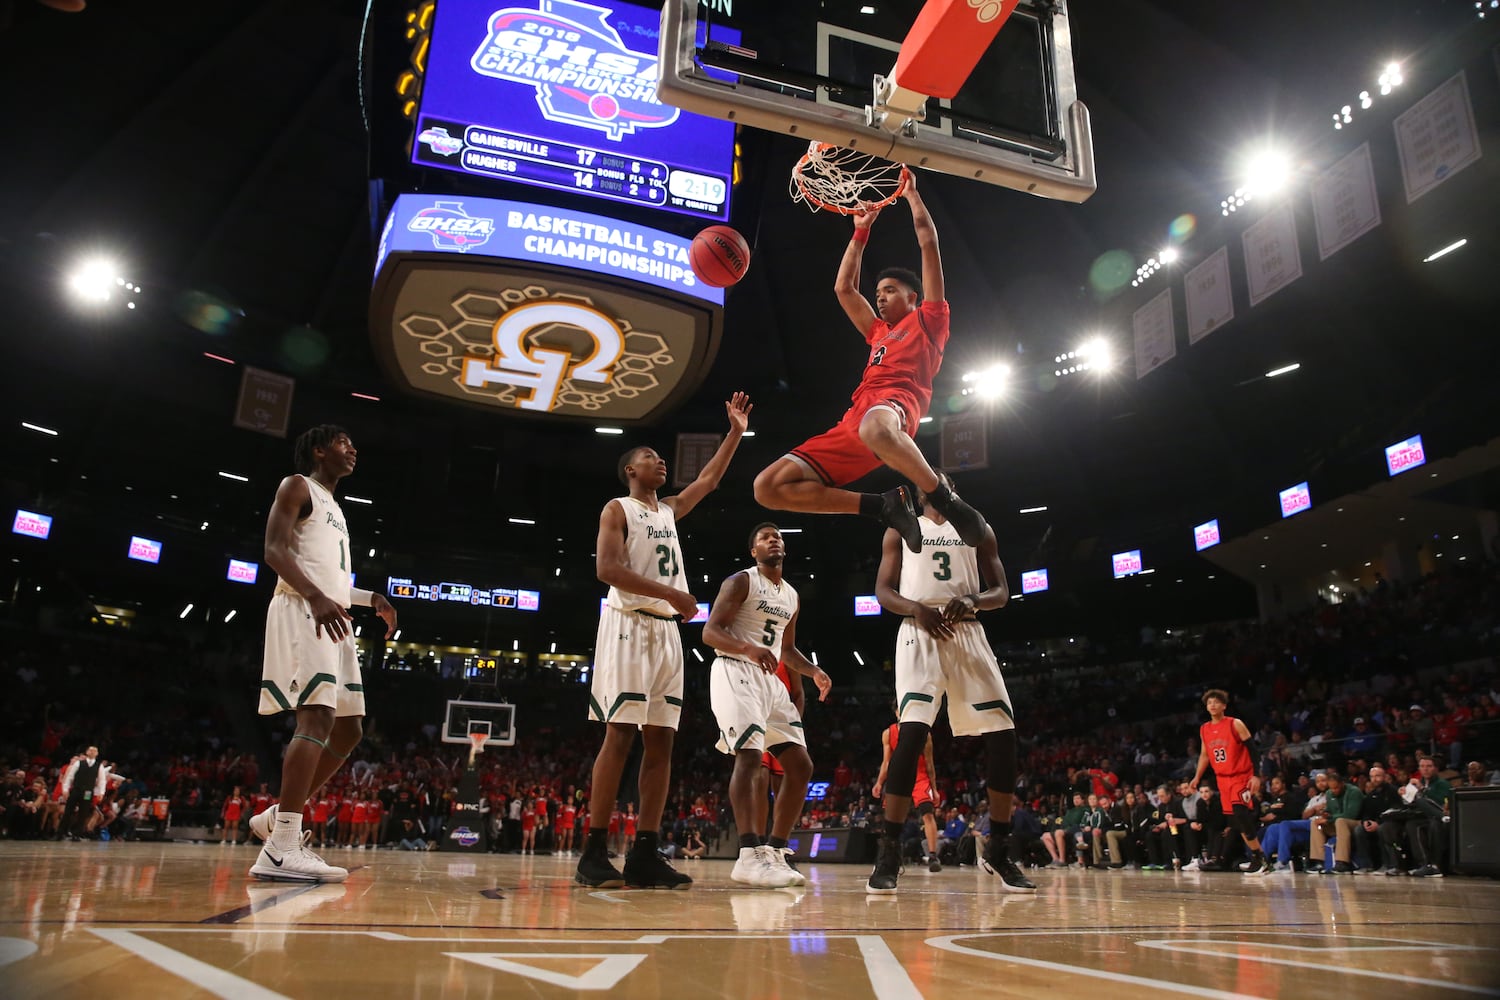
pixel 464 836
pixel 451 228
pixel 582 71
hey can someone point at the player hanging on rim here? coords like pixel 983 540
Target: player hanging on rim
pixel 906 344
pixel 637 683
pixel 753 627
pixel 941 648
pixel 923 798
pixel 311 665
pixel 1225 748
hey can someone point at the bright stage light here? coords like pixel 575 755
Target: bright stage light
pixel 95 280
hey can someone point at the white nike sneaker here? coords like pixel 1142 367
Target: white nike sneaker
pixel 296 865
pixel 776 856
pixel 749 868
pixel 263 822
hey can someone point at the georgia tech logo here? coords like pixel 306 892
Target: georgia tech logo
pixel 451 228
pixel 582 71
pixel 515 362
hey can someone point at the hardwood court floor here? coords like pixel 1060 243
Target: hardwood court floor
pixel 181 920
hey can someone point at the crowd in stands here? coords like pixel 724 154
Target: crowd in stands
pixel 1344 701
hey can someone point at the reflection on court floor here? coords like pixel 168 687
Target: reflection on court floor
pixel 183 920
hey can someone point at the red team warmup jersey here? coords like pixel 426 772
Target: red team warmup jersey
pixel 1230 760
pixel 903 361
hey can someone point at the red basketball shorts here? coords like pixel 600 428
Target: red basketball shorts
pixel 838 456
pixel 770 763
pixel 1234 790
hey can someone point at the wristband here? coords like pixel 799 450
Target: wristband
pixel 861 235
pixel 361 598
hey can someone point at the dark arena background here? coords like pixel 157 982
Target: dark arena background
pixel 1231 412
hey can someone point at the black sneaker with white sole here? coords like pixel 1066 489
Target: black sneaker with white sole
pixel 1012 879
pixel 887 870
pixel 967 521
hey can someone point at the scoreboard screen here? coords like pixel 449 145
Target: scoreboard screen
pixel 404 588
pixel 562 94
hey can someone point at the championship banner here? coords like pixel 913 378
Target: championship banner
pixel 1436 137
pixel 1210 303
pixel 1344 203
pixel 1272 259
pixel 965 444
pixel 1155 336
pixel 265 402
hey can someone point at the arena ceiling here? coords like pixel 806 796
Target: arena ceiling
pixel 220 152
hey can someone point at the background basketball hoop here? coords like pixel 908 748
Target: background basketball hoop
pixel 479 735
pixel 846 181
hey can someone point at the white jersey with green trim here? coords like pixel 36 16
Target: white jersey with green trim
pixel 652 550
pixel 320 546
pixel 764 615
pixel 945 568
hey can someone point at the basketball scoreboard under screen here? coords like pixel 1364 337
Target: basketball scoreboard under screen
pixel 562 94
pixel 404 588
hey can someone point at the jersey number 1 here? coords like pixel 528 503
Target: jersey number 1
pixel 343 559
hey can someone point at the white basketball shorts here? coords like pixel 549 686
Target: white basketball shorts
pixel 963 667
pixel 753 709
pixel 637 670
pixel 302 668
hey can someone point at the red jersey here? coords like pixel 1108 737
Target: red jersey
pixel 260 802
pixel 566 817
pixel 541 811
pixel 233 806
pixel 614 821
pixel 1225 751
pixel 894 733
pixel 320 811
pixel 361 812
pixel 908 355
pixel 630 824
pixel 372 811
pixel 346 810
pixel 784 676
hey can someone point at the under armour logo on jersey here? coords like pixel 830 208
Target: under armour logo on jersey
pixel 730 734
pixel 293 688
pixel 624 636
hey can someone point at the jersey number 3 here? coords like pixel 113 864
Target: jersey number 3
pixel 945 566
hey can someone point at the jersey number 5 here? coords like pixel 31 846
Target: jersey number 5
pixel 945 566
pixel 769 635
pixel 667 564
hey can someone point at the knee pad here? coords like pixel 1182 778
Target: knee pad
pixel 901 776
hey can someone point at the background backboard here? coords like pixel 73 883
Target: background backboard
pixel 808 70
pixel 501 717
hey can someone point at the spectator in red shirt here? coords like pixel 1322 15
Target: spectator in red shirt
pixel 1105 781
pixel 842 775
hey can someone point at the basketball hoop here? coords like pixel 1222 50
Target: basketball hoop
pixel 845 181
pixel 478 738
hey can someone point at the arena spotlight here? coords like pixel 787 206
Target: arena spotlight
pixel 1391 78
pixel 95 280
pixel 1458 245
pixel 987 383
pixel 1284 369
pixel 1092 355
pixel 230 617
pixel 186 611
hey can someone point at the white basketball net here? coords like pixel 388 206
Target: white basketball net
pixel 478 739
pixel 845 180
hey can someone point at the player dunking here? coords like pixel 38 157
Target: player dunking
pixel 941 648
pixel 906 342
pixel 752 628
pixel 923 799
pixel 311 666
pixel 637 683
pixel 1224 748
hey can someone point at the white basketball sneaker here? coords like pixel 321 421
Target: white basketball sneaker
pixel 749 868
pixel 779 864
pixel 263 822
pixel 296 865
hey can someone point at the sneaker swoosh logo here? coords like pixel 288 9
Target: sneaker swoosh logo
pixel 274 859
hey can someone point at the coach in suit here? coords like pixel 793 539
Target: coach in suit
pixel 82 787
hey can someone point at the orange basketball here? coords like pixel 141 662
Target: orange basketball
pixel 720 256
